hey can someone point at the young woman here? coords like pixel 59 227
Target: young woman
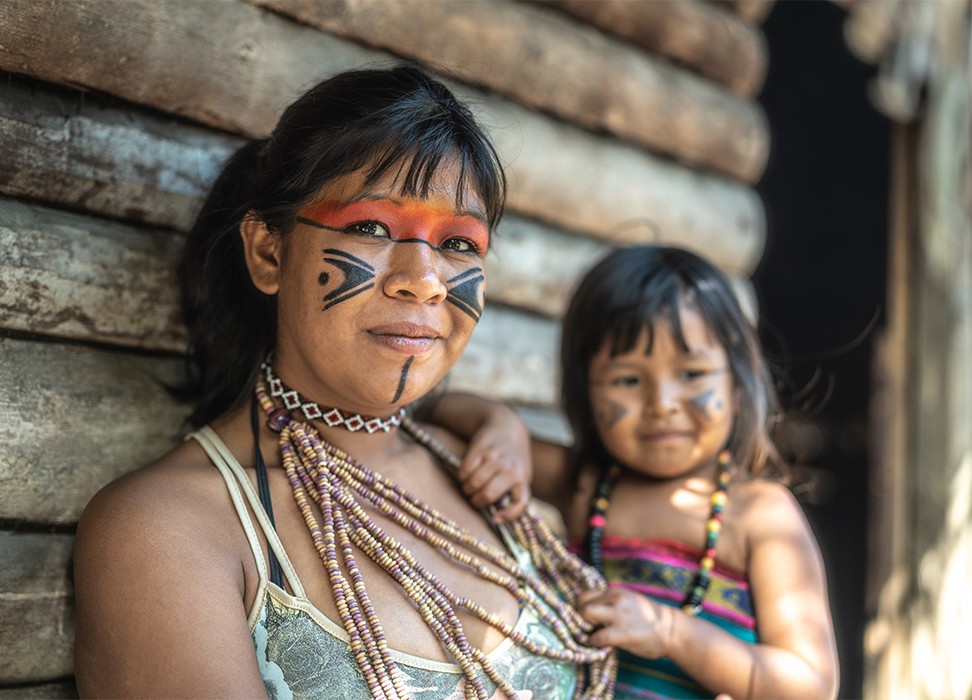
pixel 333 277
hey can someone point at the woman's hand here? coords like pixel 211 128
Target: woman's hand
pixel 496 468
pixel 628 620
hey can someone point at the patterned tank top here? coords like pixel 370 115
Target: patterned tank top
pixel 303 654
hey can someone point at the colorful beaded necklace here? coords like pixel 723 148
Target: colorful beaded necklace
pixel 713 526
pixel 325 476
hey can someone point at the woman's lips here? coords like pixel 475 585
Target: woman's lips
pixel 404 337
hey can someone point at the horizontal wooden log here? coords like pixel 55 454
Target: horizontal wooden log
pixel 72 276
pixel 700 35
pixel 550 63
pixel 74 418
pixel 622 195
pixel 752 11
pixel 535 267
pixel 61 690
pixel 36 607
pixel 609 183
pixel 74 151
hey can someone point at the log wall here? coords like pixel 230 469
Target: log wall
pixel 634 123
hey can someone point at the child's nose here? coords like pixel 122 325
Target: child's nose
pixel 663 397
pixel 413 273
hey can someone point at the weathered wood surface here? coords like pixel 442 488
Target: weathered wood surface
pixel 36 607
pixel 559 173
pixel 72 276
pixel 63 690
pixel 546 61
pixel 593 184
pixel 700 35
pixel 752 11
pixel 79 153
pixel 74 418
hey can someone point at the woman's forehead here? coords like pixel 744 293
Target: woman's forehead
pixel 392 185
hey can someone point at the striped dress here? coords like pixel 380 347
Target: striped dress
pixel 663 571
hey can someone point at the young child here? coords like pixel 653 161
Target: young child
pixel 717 583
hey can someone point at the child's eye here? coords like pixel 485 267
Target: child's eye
pixel 624 380
pixel 368 228
pixel 690 374
pixel 461 245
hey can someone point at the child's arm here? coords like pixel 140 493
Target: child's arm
pixel 502 456
pixel 796 654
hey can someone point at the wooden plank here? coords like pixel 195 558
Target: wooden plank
pixel 752 11
pixel 36 607
pixel 70 276
pixel 75 151
pixel 63 690
pixel 512 356
pixel 535 267
pixel 697 34
pixel 580 181
pixel 548 62
pixel 549 163
pixel 74 418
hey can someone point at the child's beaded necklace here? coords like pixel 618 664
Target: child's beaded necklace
pixel 713 526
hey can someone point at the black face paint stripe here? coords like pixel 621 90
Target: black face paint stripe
pixel 358 276
pixel 401 380
pixel 465 294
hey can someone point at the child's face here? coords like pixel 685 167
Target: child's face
pixel 667 413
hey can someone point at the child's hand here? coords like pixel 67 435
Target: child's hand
pixel 629 621
pixel 496 468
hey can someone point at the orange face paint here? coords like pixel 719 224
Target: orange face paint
pixel 407 220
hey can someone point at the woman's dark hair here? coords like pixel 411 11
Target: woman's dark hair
pixel 624 294
pixel 381 119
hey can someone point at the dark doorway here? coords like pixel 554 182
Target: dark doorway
pixel 822 280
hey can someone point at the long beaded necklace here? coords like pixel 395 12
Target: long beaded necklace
pixel 713 526
pixel 321 474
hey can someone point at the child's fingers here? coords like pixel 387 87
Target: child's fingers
pixel 511 505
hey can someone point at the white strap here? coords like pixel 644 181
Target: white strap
pixel 228 465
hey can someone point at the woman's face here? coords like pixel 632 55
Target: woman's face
pixel 378 293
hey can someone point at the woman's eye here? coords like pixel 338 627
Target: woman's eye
pixel 461 245
pixel 368 228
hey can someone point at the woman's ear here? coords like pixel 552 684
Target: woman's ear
pixel 261 249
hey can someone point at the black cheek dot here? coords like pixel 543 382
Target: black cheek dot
pixel 323 279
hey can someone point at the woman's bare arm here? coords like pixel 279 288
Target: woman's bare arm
pixel 159 587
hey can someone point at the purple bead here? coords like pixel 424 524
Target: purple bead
pixel 278 419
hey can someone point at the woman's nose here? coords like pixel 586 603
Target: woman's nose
pixel 413 273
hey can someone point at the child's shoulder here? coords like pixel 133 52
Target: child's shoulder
pixel 764 505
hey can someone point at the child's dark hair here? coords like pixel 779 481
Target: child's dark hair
pixel 380 119
pixel 627 292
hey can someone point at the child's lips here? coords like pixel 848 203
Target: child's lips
pixel 664 435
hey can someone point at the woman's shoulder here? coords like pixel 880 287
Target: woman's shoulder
pixel 180 493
